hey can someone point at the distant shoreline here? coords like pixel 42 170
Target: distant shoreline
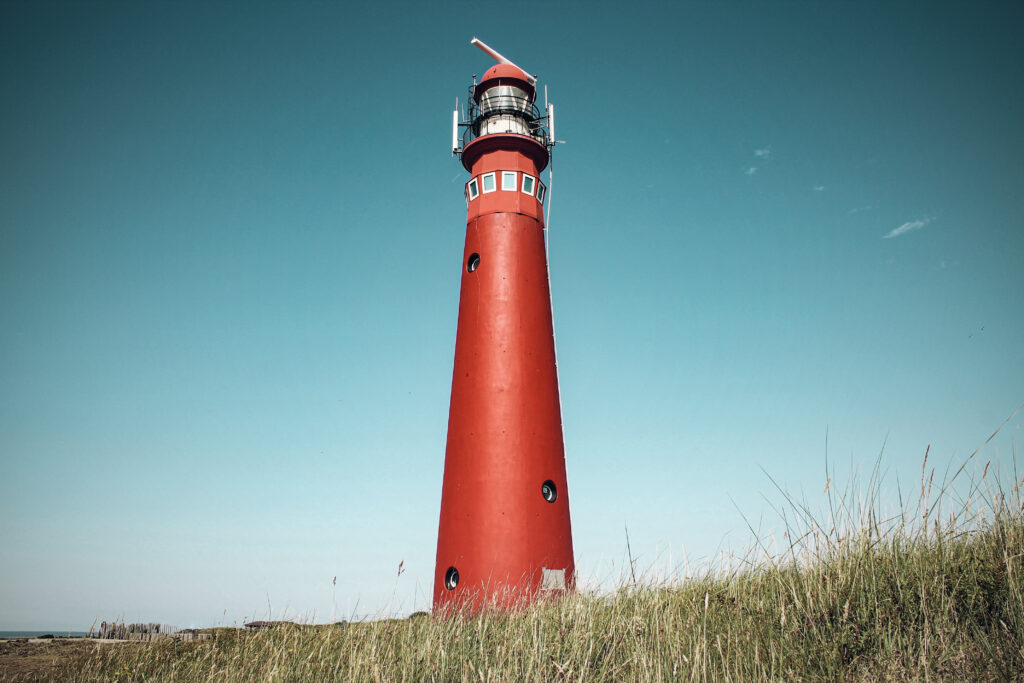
pixel 7 635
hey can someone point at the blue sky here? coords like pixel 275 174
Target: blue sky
pixel 230 245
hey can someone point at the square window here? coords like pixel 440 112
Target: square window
pixel 488 182
pixel 540 192
pixel 474 190
pixel 528 184
pixel 508 180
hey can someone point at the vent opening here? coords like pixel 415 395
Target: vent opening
pixel 549 491
pixel 451 578
pixel 473 262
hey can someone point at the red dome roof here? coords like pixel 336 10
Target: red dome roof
pixel 505 74
pixel 506 71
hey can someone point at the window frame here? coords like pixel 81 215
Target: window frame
pixel 473 189
pixel 542 191
pixel 506 175
pixel 533 185
pixel 483 183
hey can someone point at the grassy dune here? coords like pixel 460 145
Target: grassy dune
pixel 930 593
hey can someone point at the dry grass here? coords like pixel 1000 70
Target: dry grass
pixel 926 594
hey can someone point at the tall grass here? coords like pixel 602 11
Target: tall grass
pixel 933 591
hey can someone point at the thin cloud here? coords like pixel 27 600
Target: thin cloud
pixel 859 209
pixel 909 226
pixel 819 188
pixel 763 155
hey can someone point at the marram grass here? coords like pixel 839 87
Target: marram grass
pixel 906 598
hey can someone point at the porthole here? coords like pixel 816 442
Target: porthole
pixel 549 491
pixel 451 578
pixel 473 262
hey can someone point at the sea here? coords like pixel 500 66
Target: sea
pixel 36 634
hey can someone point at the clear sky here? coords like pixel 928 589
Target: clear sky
pixel 230 250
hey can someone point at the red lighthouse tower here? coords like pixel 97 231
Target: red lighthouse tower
pixel 504 535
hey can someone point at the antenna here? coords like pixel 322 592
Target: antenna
pixel 455 128
pixel 500 58
pixel 551 121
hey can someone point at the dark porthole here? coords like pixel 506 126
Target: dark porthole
pixel 549 491
pixel 473 262
pixel 451 578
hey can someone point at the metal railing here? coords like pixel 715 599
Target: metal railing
pixel 502 113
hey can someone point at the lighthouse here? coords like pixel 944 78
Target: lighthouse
pixel 504 537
